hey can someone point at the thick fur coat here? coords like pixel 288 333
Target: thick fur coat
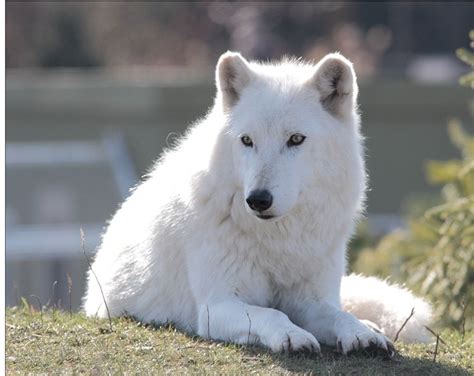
pixel 239 232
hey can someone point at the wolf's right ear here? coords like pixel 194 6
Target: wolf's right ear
pixel 233 74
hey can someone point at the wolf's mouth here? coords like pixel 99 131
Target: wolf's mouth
pixel 262 216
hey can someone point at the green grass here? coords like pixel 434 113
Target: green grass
pixel 55 342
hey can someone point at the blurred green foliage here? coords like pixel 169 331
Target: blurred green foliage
pixel 435 254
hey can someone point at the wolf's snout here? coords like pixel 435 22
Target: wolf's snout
pixel 260 200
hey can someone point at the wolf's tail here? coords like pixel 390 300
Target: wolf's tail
pixel 388 306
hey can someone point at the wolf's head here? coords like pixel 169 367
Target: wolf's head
pixel 294 132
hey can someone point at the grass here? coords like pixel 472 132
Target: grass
pixel 56 342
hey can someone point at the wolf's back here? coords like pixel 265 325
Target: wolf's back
pixel 388 306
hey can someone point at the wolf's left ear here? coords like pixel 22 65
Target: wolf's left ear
pixel 233 74
pixel 335 80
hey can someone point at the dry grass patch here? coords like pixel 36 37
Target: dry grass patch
pixel 56 342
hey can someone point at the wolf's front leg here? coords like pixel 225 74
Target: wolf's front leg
pixel 234 321
pixel 334 327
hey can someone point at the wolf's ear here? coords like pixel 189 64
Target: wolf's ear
pixel 335 80
pixel 233 74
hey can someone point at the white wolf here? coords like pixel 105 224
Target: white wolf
pixel 239 233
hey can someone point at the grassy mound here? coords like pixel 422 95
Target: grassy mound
pixel 56 342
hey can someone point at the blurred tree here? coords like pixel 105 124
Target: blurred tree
pixel 69 49
pixel 371 34
pixel 435 255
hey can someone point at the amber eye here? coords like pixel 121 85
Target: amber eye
pixel 295 140
pixel 246 140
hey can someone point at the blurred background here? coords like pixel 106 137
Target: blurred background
pixel 94 91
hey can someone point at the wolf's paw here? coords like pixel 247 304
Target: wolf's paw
pixel 293 339
pixel 361 338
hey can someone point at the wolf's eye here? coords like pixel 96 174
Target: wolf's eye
pixel 246 140
pixel 295 140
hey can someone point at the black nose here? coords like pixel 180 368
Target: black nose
pixel 260 200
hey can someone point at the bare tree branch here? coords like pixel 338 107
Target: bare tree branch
pixel 403 325
pixel 95 276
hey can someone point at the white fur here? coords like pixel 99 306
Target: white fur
pixel 186 248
